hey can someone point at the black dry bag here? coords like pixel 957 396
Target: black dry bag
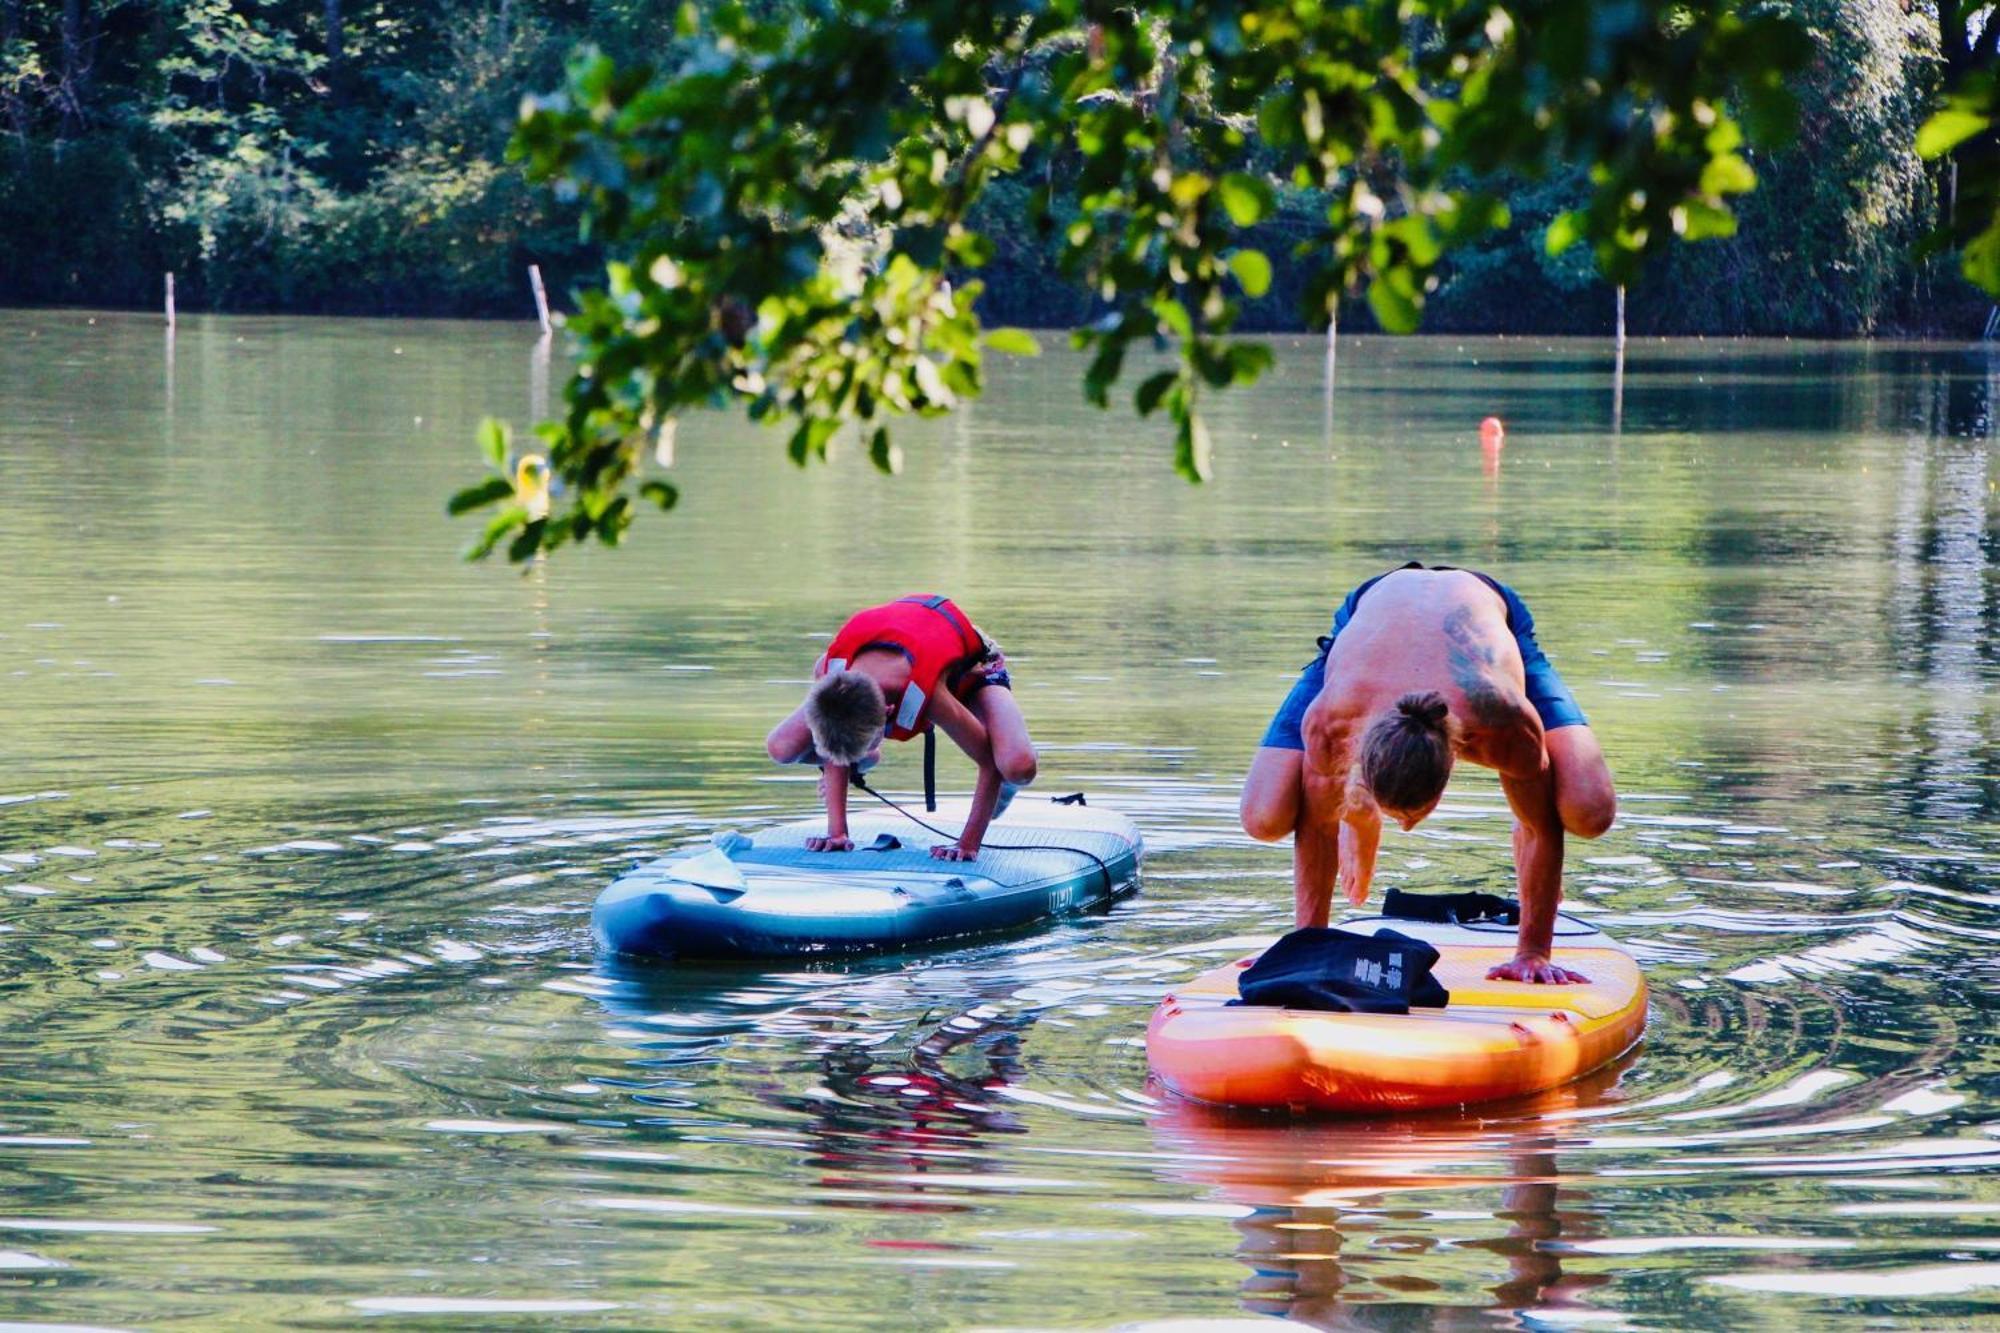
pixel 1460 909
pixel 1316 967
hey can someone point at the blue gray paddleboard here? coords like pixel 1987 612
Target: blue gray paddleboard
pixel 764 894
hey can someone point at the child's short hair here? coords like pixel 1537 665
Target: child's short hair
pixel 846 713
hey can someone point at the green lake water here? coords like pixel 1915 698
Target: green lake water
pixel 301 819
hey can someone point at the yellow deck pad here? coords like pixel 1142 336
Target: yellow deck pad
pixel 1461 969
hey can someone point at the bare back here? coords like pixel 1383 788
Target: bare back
pixel 1418 630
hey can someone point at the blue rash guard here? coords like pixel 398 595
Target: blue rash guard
pixel 1553 702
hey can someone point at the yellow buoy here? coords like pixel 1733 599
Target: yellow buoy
pixel 531 485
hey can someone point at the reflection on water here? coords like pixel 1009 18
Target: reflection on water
pixel 301 821
pixel 1333 1215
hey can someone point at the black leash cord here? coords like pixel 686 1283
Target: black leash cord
pixel 1102 865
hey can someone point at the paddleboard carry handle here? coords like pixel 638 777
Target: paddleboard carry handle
pixel 1074 798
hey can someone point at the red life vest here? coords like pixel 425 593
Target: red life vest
pixel 933 634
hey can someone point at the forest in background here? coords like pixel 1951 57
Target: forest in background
pixel 350 157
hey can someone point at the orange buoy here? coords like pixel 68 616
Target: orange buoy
pixel 1492 439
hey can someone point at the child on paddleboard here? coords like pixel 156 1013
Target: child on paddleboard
pixel 897 670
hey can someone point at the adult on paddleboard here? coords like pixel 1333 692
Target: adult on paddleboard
pixel 1424 666
pixel 897 670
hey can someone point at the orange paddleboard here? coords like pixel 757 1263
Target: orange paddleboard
pixel 1495 1039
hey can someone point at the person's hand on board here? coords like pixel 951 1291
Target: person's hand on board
pixel 830 844
pixel 1537 969
pixel 953 852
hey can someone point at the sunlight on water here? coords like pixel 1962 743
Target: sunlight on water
pixel 302 819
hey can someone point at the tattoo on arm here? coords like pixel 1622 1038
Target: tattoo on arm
pixel 1473 660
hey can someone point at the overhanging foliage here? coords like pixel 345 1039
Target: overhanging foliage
pixel 790 196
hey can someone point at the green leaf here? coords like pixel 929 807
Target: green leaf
pixel 1210 361
pixel 970 248
pixel 1417 237
pixel 1103 372
pixel 617 517
pixel 1188 188
pixel 493 441
pixel 1013 342
pixel 1249 361
pixel 1193 452
pixel 1278 118
pixel 1175 316
pixel 529 543
pixel 1727 174
pixel 811 438
pixel 1394 302
pixel 1248 199
pixel 1701 222
pixel 1147 399
pixel 1947 129
pixel 662 493
pixel 1565 230
pixel 1252 270
pixel 886 457
pixel 479 495
pixel 503 523
pixel 1981 260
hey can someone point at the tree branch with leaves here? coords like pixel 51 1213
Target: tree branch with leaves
pixel 788 194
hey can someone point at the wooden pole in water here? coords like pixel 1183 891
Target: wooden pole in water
pixel 1618 369
pixel 541 295
pixel 170 300
pixel 1332 326
pixel 1618 392
pixel 168 343
pixel 538 379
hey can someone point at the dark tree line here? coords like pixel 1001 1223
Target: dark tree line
pixel 323 155
pixel 351 156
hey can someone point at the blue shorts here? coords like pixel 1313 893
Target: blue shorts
pixel 1553 702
